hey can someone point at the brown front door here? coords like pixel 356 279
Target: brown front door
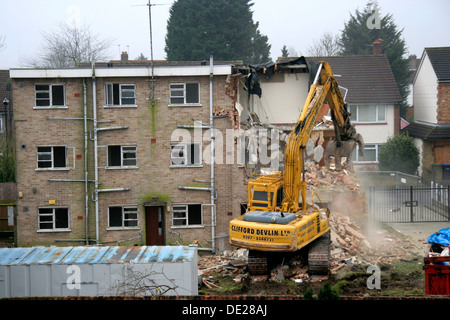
pixel 154 224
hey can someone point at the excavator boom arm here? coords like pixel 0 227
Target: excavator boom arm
pixel 323 87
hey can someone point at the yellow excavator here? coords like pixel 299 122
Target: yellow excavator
pixel 275 220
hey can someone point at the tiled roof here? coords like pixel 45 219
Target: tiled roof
pixel 428 131
pixel 440 60
pixel 369 79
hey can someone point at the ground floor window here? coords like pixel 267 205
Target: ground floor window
pixel 371 152
pixel 446 172
pixel 123 216
pixel 187 215
pixel 53 218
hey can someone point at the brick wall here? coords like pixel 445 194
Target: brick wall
pixel 33 129
pixel 150 129
pixel 427 160
pixel 443 115
pixel 396 119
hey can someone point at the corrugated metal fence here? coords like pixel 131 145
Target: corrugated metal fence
pixel 409 204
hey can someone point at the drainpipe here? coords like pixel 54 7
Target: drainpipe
pixel 94 110
pixel 211 125
pixel 86 181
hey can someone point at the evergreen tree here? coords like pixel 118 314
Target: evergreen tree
pixel 7 159
pixel 361 31
pixel 225 29
pixel 284 51
pixel 399 153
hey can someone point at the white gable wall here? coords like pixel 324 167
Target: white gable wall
pixel 425 92
pixel 283 96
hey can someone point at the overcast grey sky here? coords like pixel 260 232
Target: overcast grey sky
pixel 293 23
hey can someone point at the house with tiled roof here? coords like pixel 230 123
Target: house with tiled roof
pixel 431 126
pixel 373 98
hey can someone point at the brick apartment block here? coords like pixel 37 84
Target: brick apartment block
pixel 139 168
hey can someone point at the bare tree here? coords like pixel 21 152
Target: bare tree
pixel 69 45
pixel 327 46
pixel 135 283
pixel 2 42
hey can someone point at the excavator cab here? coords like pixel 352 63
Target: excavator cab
pixel 265 192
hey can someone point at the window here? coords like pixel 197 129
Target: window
pixel 370 153
pixel 51 157
pixel 187 215
pixel 445 172
pixel 120 94
pixel 368 113
pixel 48 95
pixel 122 156
pixel 123 216
pixel 53 218
pixel 261 196
pixel 184 93
pixel 184 154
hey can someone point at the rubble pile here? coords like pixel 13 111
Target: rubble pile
pixel 317 176
pixel 347 241
pixel 349 245
pixel 230 263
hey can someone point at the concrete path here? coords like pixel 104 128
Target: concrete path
pixel 419 230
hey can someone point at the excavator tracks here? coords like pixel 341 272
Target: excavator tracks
pixel 259 263
pixel 319 255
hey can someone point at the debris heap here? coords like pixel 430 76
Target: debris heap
pixel 347 241
pixel 317 176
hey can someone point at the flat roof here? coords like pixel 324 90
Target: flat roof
pixel 163 71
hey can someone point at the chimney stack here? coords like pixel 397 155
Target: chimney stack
pixel 377 47
pixel 124 56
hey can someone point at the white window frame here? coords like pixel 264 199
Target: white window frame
pixel 184 209
pixel 51 153
pixel 184 160
pixel 122 158
pixel 122 90
pixel 368 146
pixel 50 94
pixel 183 90
pixel 130 209
pixel 380 116
pixel 53 221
